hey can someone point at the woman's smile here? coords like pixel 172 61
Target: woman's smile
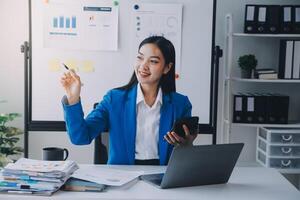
pixel 144 74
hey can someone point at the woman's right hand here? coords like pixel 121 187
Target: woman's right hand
pixel 72 85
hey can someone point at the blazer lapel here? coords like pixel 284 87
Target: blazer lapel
pixel 130 123
pixel 166 121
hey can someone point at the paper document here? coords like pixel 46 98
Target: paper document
pixel 25 164
pixel 81 25
pixel 158 19
pixel 106 176
pixel 39 177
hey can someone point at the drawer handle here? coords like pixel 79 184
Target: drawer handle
pixel 286 150
pixel 286 163
pixel 287 138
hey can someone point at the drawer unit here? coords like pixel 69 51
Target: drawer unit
pixel 279 135
pixel 278 148
pixel 267 161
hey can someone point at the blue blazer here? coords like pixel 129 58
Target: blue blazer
pixel 116 113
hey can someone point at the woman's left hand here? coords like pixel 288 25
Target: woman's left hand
pixel 175 139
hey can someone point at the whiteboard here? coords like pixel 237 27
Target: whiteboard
pixel 113 68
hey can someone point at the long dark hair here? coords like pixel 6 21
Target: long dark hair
pixel 167 81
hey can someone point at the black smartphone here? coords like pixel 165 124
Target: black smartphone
pixel 190 122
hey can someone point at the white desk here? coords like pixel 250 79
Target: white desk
pixel 253 183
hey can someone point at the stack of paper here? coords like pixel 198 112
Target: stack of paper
pixel 35 176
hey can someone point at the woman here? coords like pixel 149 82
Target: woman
pixel 139 115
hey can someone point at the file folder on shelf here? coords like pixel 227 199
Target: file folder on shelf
pixel 289 59
pixel 238 107
pixel 250 25
pixel 277 109
pixel 262 19
pixel 273 19
pixel 243 108
pixel 250 109
pixel 286 59
pixel 287 19
pixel 259 106
pixel 297 19
pixel 296 60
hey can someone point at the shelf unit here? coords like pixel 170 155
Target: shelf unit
pixel 230 80
pixel 263 80
pixel 266 35
pixel 290 125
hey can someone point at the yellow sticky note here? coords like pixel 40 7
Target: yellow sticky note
pixel 87 66
pixel 54 65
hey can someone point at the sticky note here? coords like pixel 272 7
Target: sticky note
pixel 87 66
pixel 54 65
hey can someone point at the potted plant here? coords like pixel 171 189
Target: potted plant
pixel 247 63
pixel 8 138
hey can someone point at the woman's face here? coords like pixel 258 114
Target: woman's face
pixel 150 65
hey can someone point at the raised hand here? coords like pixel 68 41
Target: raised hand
pixel 72 85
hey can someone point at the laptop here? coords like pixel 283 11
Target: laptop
pixel 197 165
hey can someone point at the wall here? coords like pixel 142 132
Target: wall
pixel 15 31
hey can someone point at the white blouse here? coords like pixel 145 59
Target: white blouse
pixel 147 126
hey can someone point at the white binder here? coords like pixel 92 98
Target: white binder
pixel 296 65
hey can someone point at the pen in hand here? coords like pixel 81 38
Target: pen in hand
pixel 67 68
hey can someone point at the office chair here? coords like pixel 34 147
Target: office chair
pixel 100 150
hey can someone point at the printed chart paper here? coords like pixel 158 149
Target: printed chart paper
pixel 75 25
pixel 158 19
